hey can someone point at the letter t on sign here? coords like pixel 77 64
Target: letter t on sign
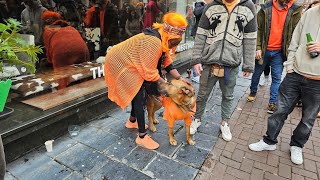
pixel 94 72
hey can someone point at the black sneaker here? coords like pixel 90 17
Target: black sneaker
pixel 271 108
pixel 251 97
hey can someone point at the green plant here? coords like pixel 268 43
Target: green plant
pixel 11 44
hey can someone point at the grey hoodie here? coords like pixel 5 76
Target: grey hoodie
pixel 225 39
pixel 31 20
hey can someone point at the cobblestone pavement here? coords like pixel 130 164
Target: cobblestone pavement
pixel 233 160
pixel 105 149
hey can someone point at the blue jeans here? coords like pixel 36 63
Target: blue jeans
pixel 294 87
pixel 275 59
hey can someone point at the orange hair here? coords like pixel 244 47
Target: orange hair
pixel 51 15
pixel 175 20
pixel 140 4
pixel 53 18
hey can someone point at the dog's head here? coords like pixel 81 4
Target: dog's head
pixel 181 92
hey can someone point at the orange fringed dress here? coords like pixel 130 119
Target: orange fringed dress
pixel 173 113
pixel 130 63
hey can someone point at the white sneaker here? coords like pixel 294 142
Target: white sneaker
pixel 196 79
pixel 262 146
pixel 296 155
pixel 194 126
pixel 225 130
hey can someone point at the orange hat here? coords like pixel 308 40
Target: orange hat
pixel 173 26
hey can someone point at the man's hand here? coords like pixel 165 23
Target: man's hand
pixel 258 54
pixel 290 71
pixel 313 47
pixel 246 74
pixel 198 69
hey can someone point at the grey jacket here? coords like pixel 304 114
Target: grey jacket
pixel 32 22
pixel 225 39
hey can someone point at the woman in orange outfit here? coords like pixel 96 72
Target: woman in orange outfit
pixel 139 59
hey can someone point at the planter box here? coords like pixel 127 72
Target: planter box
pixel 4 91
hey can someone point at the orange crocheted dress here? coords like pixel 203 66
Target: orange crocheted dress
pixel 130 63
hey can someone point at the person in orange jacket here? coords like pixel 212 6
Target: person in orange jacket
pixel 134 63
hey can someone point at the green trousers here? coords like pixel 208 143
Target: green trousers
pixel 207 83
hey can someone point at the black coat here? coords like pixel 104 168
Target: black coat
pixel 198 10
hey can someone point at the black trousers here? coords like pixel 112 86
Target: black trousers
pixel 2 161
pixel 138 108
pixel 291 89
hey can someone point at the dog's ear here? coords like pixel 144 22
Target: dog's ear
pixel 185 90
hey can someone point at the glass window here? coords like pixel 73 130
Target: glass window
pixel 75 36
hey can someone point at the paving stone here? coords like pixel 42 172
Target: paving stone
pixel 213 115
pixel 116 170
pixel 8 176
pixel 28 163
pixel 209 129
pixel 75 176
pixel 56 171
pixel 96 138
pixel 162 127
pixel 164 168
pixel 243 82
pixel 203 141
pixel 103 123
pixel 165 147
pixel 140 157
pixel 35 166
pixel 120 149
pixel 119 129
pixel 60 145
pixel 191 155
pixel 82 159
pixel 120 114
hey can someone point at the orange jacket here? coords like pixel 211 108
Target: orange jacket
pixel 172 112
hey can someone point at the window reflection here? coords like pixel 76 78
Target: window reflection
pixel 82 31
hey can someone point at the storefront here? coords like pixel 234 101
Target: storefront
pixel 74 93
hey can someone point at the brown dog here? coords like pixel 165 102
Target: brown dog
pixel 179 105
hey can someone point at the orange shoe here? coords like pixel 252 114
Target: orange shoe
pixel 147 142
pixel 134 125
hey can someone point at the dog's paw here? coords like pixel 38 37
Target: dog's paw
pixel 173 142
pixel 191 142
pixel 152 128
pixel 155 121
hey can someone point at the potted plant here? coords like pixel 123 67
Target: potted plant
pixel 11 44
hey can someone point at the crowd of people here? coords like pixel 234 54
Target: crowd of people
pixel 231 33
pixel 115 22
pixel 228 34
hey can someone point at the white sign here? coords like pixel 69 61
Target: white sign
pixel 185 46
pixel 97 70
